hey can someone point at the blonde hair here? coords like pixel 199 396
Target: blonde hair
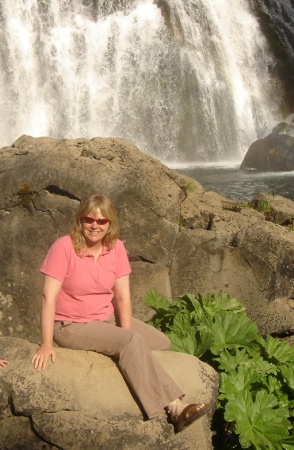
pixel 90 206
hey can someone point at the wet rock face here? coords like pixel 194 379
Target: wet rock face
pixel 276 20
pixel 271 154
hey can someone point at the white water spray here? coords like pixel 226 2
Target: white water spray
pixel 184 80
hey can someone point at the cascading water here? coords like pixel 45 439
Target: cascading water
pixel 187 81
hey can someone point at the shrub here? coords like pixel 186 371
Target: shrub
pixel 256 394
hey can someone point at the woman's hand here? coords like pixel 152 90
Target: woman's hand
pixel 41 357
pixel 51 289
pixel 3 362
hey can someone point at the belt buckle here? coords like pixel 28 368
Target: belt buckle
pixel 65 323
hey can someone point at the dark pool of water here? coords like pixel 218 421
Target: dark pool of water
pixel 236 184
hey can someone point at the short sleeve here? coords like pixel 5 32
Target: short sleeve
pixel 56 261
pixel 123 265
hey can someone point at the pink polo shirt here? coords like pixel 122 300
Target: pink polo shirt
pixel 87 286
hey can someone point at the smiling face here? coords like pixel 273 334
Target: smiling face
pixel 88 233
pixel 94 232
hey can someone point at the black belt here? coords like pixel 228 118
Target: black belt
pixel 64 323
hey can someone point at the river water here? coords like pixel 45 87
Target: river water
pixel 236 184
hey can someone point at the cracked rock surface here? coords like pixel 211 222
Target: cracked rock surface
pixel 82 402
pixel 180 238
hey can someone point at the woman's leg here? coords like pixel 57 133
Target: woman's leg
pixel 182 414
pixel 152 385
pixel 154 338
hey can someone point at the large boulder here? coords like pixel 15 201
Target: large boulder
pixel 82 402
pixel 180 238
pixel 270 154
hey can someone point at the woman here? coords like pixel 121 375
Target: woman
pixel 86 274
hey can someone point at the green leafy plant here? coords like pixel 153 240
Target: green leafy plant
pixel 189 186
pixel 246 204
pixel 263 205
pixel 256 394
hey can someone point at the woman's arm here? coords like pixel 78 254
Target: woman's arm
pixel 123 301
pixel 51 290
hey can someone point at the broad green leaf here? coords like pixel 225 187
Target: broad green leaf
pixel 191 301
pixel 203 343
pixel 257 380
pixel 288 373
pixel 228 361
pixel 279 351
pixel 233 358
pixel 232 330
pixel 288 444
pixel 183 333
pixel 205 298
pixel 273 384
pixel 188 303
pixel 231 304
pixel 165 310
pixel 212 304
pixel 156 301
pixel 237 380
pixel 185 344
pixel 261 423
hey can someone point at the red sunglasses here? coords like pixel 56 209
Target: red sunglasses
pixel 91 220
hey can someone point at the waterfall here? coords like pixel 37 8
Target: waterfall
pixel 187 81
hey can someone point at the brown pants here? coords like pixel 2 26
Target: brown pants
pixel 132 349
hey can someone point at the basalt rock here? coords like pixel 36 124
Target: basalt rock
pixel 82 402
pixel 270 154
pixel 180 239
